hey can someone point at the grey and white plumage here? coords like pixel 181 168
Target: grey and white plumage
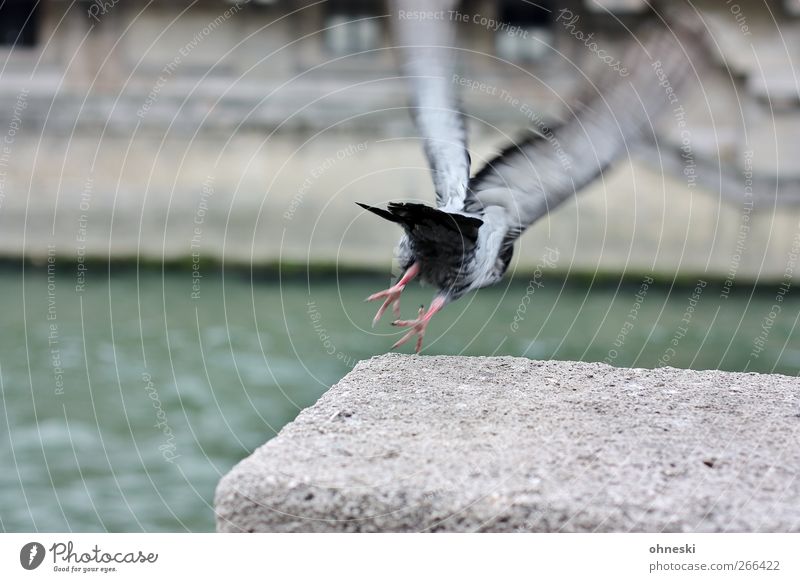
pixel 467 241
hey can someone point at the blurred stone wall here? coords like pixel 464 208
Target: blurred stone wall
pixel 211 130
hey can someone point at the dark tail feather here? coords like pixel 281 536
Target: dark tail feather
pixel 380 212
pixel 441 240
pixel 426 218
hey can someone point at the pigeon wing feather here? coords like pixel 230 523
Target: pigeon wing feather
pixel 550 166
pixel 426 37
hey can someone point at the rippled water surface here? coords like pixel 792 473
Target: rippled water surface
pixel 124 402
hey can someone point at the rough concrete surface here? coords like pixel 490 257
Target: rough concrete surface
pixel 410 443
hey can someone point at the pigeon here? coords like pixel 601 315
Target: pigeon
pixel 467 241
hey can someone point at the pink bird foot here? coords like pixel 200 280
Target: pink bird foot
pixel 392 294
pixel 419 325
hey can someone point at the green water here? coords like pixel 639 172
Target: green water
pixel 124 402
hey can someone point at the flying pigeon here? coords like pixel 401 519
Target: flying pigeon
pixel 467 241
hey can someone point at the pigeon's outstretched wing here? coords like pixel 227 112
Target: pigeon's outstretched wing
pixel 529 179
pixel 425 34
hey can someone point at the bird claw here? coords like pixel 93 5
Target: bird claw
pixel 418 327
pixel 392 295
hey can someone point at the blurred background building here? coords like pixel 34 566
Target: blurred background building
pixel 246 130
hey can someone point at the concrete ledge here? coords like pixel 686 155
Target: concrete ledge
pixel 409 443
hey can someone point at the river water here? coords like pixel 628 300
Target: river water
pixel 126 399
